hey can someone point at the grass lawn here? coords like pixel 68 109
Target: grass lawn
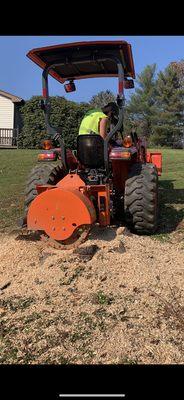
pixel 171 193
pixel 15 165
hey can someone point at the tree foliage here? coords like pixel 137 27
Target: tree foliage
pixel 102 98
pixel 141 107
pixel 168 121
pixel 179 68
pixel 65 116
pixel 156 109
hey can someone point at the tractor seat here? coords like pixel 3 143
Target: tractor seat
pixel 90 150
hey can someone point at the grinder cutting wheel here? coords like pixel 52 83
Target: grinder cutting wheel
pixel 67 195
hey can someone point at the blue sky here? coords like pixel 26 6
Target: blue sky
pixel 20 76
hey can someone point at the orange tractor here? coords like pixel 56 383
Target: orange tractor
pixel 67 194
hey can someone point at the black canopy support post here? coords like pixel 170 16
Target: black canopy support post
pixel 50 129
pixel 121 103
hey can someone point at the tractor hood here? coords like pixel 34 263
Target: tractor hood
pixel 82 60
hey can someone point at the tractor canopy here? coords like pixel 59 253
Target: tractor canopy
pixel 82 60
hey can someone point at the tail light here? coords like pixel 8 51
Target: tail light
pixel 47 144
pixel 118 154
pixel 127 141
pixel 47 155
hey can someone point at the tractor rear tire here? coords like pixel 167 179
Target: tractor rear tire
pixel 42 174
pixel 141 198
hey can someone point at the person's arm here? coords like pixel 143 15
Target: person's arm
pixel 103 127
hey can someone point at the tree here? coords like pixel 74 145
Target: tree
pixel 141 107
pixel 179 68
pixel 102 98
pixel 168 121
pixel 65 116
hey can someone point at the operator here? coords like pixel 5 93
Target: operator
pixel 98 120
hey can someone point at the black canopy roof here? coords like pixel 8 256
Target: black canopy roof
pixel 82 60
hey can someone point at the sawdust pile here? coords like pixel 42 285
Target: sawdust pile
pixel 116 299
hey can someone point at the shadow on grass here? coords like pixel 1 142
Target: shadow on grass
pixel 103 233
pixel 30 237
pixel 171 207
pixel 100 233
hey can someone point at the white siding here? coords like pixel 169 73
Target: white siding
pixel 6 113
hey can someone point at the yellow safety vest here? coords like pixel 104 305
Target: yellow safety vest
pixel 90 121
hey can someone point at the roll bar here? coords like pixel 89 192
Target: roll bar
pixel 120 102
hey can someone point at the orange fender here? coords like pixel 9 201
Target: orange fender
pixel 156 159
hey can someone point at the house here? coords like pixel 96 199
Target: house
pixel 10 119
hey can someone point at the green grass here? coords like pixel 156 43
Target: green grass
pixel 171 193
pixel 15 166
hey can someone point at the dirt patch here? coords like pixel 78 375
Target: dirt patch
pixel 116 299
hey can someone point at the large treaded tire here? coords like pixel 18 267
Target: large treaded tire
pixel 42 174
pixel 141 198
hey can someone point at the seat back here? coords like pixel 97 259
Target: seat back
pixel 90 150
